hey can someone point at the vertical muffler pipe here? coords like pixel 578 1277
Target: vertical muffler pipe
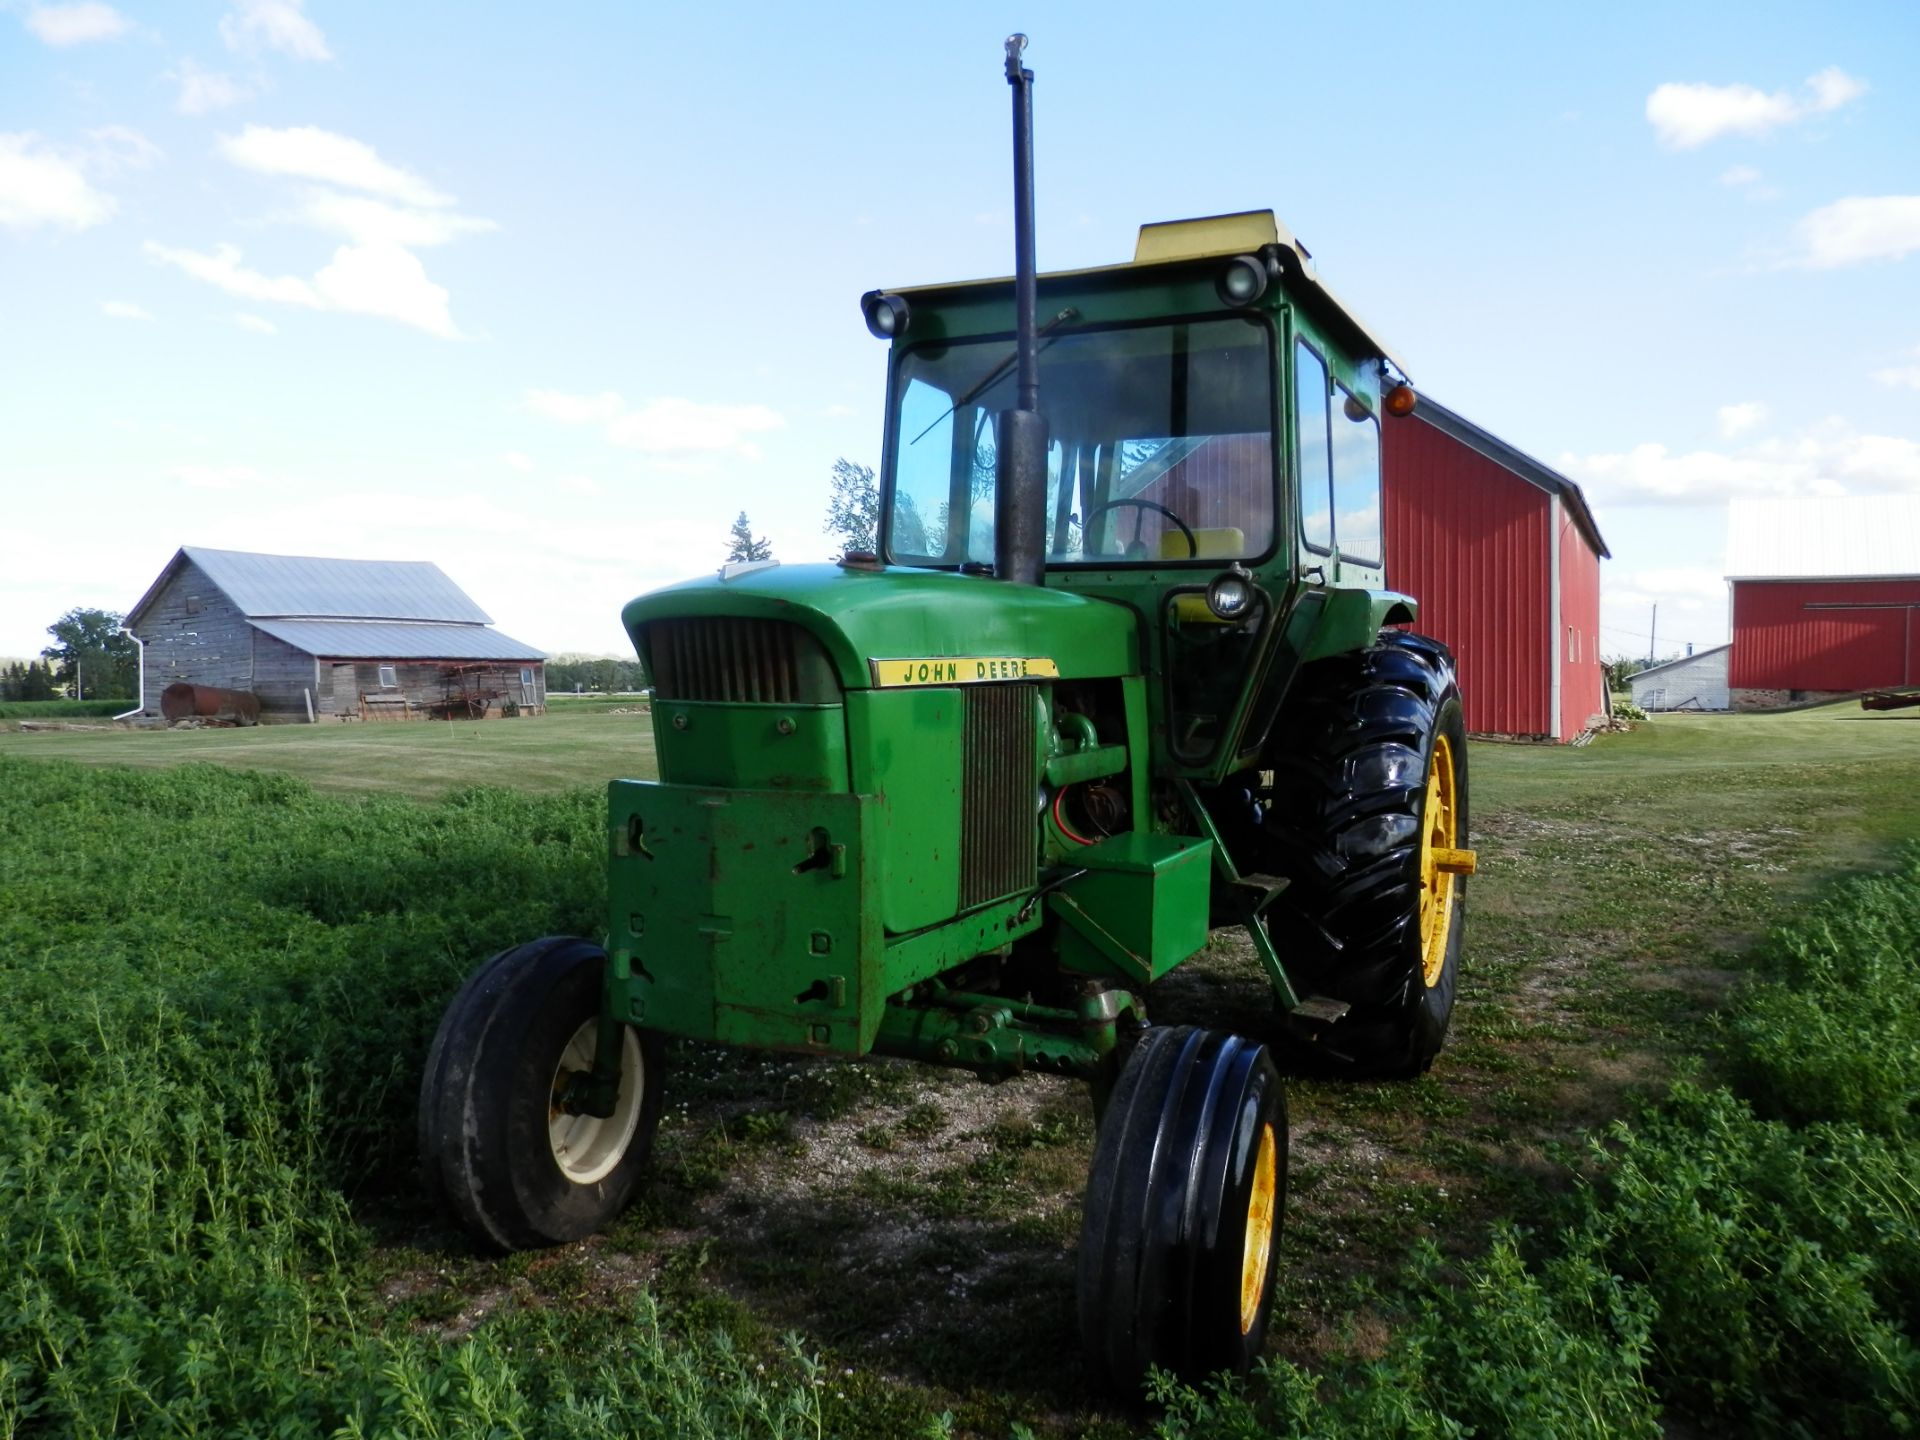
pixel 1020 434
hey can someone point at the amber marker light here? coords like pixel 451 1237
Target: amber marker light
pixel 1400 401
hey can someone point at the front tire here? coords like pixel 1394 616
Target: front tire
pixel 1368 821
pixel 511 1165
pixel 1180 1237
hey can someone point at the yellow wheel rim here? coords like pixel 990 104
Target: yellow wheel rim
pixel 1442 861
pixel 1259 1244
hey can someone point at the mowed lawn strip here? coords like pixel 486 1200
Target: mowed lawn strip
pixel 575 743
pixel 919 1226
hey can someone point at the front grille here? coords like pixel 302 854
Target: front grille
pixel 729 659
pixel 999 838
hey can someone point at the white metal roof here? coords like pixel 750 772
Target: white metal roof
pixel 312 587
pixel 397 640
pixel 1840 536
pixel 1680 660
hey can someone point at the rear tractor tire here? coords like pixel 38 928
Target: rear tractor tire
pixel 1368 822
pixel 1180 1237
pixel 517 1170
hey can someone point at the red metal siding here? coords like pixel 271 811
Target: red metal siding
pixel 1784 637
pixel 1583 681
pixel 1470 541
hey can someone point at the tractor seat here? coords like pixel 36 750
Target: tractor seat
pixel 1227 542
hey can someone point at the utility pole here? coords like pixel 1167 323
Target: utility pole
pixel 1652 626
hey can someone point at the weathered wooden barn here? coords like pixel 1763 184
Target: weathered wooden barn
pixel 367 639
pixel 1691 682
pixel 1504 557
pixel 1824 595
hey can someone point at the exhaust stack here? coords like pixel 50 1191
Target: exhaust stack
pixel 1020 434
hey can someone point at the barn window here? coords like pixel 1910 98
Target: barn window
pixel 1312 464
pixel 388 681
pixel 1356 481
pixel 193 604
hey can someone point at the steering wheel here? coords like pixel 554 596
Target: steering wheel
pixel 1086 521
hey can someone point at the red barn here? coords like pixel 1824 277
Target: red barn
pixel 1504 557
pixel 1824 595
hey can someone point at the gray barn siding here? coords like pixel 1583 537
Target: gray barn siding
pixel 282 676
pixel 424 683
pixel 193 633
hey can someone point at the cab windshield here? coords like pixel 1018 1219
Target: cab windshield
pixel 1161 445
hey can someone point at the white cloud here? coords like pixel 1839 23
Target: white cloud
pixel 204 91
pixel 1689 580
pixel 574 409
pixel 213 477
pixel 1736 420
pixel 256 324
pixel 380 280
pixel 1687 116
pixel 304 152
pixel 1859 229
pixel 388 281
pixel 665 426
pixel 578 484
pixel 76 24
pixel 1739 175
pixel 223 269
pixel 377 273
pixel 1830 459
pixel 686 427
pixel 514 460
pixel 125 310
pixel 254 25
pixel 837 412
pixel 373 222
pixel 114 148
pixel 40 186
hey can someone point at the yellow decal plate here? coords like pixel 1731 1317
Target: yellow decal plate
pixel 963 670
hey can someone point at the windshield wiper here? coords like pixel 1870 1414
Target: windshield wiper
pixel 980 385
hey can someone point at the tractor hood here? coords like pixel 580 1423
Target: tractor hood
pixel 863 615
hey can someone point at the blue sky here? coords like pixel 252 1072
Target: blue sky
pixel 548 295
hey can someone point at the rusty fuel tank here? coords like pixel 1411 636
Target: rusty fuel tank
pixel 181 701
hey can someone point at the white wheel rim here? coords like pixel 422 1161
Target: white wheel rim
pixel 588 1147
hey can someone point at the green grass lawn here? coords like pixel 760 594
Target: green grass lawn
pixel 917 1228
pixel 584 743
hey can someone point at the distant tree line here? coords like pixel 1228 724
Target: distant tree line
pixel 27 680
pixel 601 674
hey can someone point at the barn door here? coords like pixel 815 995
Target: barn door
pixel 346 691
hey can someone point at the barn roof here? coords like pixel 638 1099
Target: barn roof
pixel 1830 537
pixel 1519 462
pixel 397 640
pixel 310 587
pixel 1680 660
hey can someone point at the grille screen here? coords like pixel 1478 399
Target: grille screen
pixel 726 658
pixel 999 839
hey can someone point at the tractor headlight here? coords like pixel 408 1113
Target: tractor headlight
pixel 886 314
pixel 1230 594
pixel 1243 281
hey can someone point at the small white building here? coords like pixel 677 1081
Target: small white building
pixel 1693 682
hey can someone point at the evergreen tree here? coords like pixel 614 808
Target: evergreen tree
pixel 741 544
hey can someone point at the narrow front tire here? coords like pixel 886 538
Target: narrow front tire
pixel 1180 1238
pixel 499 1149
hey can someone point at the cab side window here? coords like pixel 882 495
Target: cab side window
pixel 1313 465
pixel 1356 480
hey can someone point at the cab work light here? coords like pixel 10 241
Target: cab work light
pixel 1243 281
pixel 886 314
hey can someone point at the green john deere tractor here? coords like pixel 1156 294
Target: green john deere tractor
pixel 1120 674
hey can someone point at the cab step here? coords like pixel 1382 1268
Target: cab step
pixel 1319 1010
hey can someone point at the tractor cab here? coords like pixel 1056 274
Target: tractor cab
pixel 1213 459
